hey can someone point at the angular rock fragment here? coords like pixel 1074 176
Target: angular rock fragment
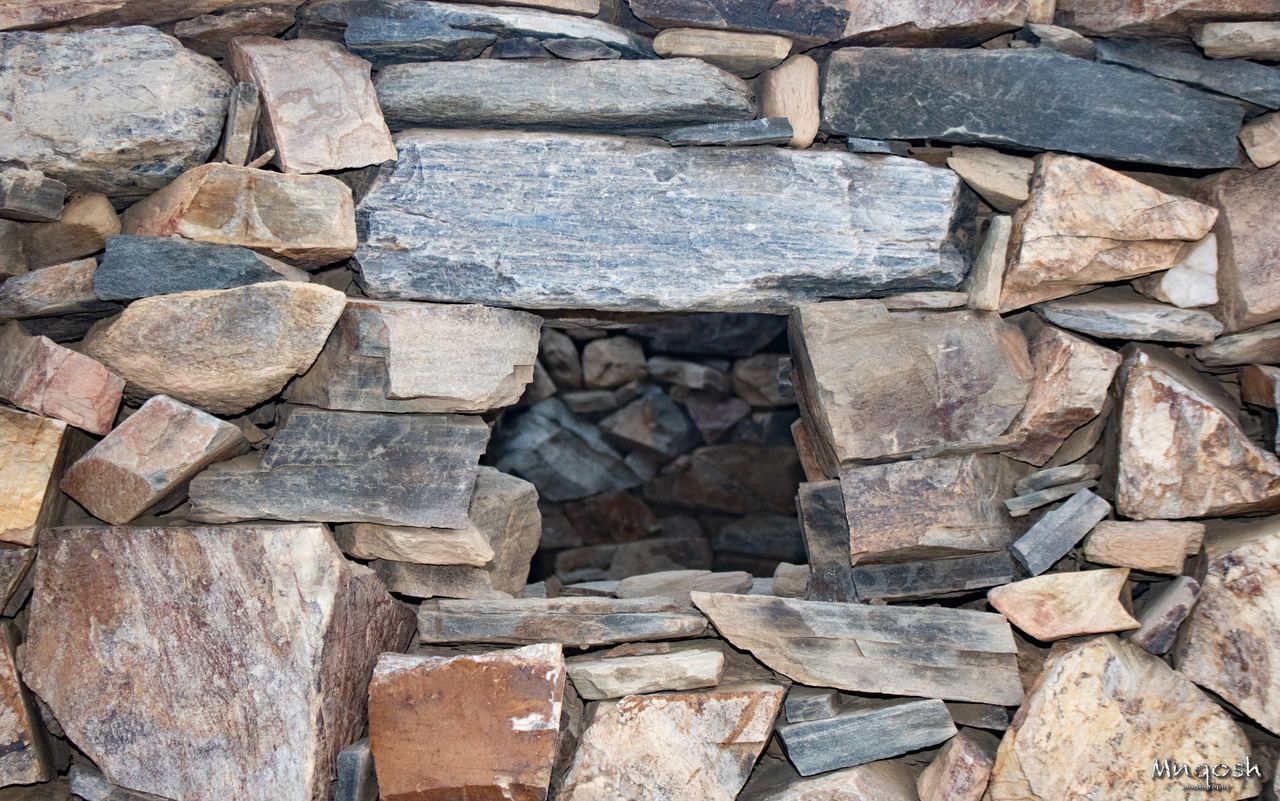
pixel 654 424
pixel 766 131
pixel 1259 40
pixel 1246 80
pixel 979 716
pixel 1002 180
pixel 897 650
pixel 240 134
pixel 756 378
pixel 823 523
pixel 886 780
pixel 1118 312
pixel 821 255
pixel 1247 273
pixel 30 195
pixel 147 460
pixel 53 381
pixel 356 780
pixel 812 23
pixel 1155 546
pixel 1060 605
pixel 1261 140
pixel 306 220
pixel 744 54
pixel 791 90
pixel 121 111
pixel 613 516
pixel 683 667
pixel 930 578
pixel 864 732
pixel 580 622
pixel 985 283
pixel 733 478
pixel 565 458
pixel 1260 385
pixel 678 584
pixel 212 34
pixel 110 13
pixel 961 769
pixel 1058 531
pixel 1064 40
pixel 83 229
pixel 810 703
pixel 1165 17
pixel 56 290
pixel 221 350
pixel 436 581
pixel 31 447
pixel 1192 282
pixel 1162 614
pixel 136 267
pixel 997 97
pixel 26 757
pixel 13 251
pixel 1257 345
pixel 1057 477
pixel 279 635
pixel 1028 502
pixel 580 49
pixel 612 361
pixel 690 375
pixel 559 355
pixel 401 470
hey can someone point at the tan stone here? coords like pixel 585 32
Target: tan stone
pixel 1248 272
pixel 1231 642
pixel 88 13
pixel 148 459
pixel 1261 139
pixel 60 289
pixel 792 90
pixel 930 23
pixel 13 253
pixel 1059 605
pixel 744 54
pixel 685 666
pixel 30 458
pixel 755 380
pixel 1085 224
pixel 1260 40
pixel 86 223
pixel 307 220
pixel 304 81
pixel 693 746
pixel 222 350
pixel 886 780
pixel 961 769
pixel 986 280
pixel 212 34
pixel 1004 181
pixel 1099 717
pixel 678 584
pixel 612 362
pixel 1181 451
pixel 1155 17
pixel 41 376
pixel 1156 546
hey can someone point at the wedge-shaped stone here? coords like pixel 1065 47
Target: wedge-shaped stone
pixel 694 746
pixel 1162 17
pixel 303 80
pixel 221 350
pixel 581 622
pixel 510 702
pixel 56 290
pixel 961 769
pixel 1247 273
pixel 766 131
pixel 1107 697
pixel 1065 240
pixel 121 111
pixel 31 448
pixel 999 97
pixel 744 54
pixel 422 357
pixel 876 384
pixel 897 650
pixel 136 267
pixel 1155 546
pixel 279 635
pixel 1004 181
pixel 401 470
pixel 1162 613
pixel 212 34
pixel 864 732
pixel 1118 312
pixel 1246 80
pixel 486 247
pixel 1170 417
pixel 306 220
pixel 30 196
pixel 928 23
pixel 886 780
pixel 1228 644
pixel 147 460
pixel 926 508
pixel 1059 605
pixel 613 675
pixel 42 377
pixel 86 223
pixel 813 23
pixel 615 96
pixel 1259 345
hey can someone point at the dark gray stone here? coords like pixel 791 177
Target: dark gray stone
pixel 622 560
pixel 652 423
pixel 579 622
pixel 68 327
pixel 864 732
pixel 1058 531
pixel 356 780
pixel 1030 98
pixel 88 783
pixel 738 479
pixel 1246 80
pixel 731 335
pixel 517 220
pixel 979 716
pixel 766 131
pixel 383 42
pixel 930 578
pixel 581 50
pixel 141 266
pixel 832 584
pixel 858 145
pixel 519 47
pixel 810 703
pixel 811 21
pixel 1162 612
pixel 823 524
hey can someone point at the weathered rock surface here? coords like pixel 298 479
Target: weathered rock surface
pixel 136 267
pixel 401 470
pixel 735 478
pixel 1004 181
pixel 929 23
pixel 355 780
pixel 812 23
pixel 565 458
pixel 581 622
pixel 306 220
pixel 86 223
pixel 886 780
pixel 610 675
pixel 32 450
pixel 864 732
pixel 26 757
pixel 614 562
pixel 610 362
pixel 1246 80
pixel 1247 273
pixel 30 195
pixel 13 250
pixel 221 350
pixel 961 769
pixel 1259 40
pixel 1155 546
pixel 302 80
pixel 43 377
pixel 766 131
pixel 1108 697
pixel 1162 17
pixel 792 90
pixel 1170 417
pixel 211 34
pixel 1259 345
pixel 148 459
pixel 1162 613
pixel 495 248
pixel 652 424
pixel 1261 140
pixel 694 746
pixel 56 290
pixel 240 134
pixel 107 13
pixel 998 97
pixel 744 54
pixel 1058 531
pixel 121 111
pixel 436 581
pixel 510 702
pixel 1118 312
pixel 279 633
pixel 969 656
pixel 928 578
pixel 1059 605
pixel 1192 282
pixel 613 516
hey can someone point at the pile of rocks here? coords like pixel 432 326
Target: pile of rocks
pixel 776 401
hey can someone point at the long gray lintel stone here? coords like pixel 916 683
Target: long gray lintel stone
pixel 1247 80
pixel 1032 98
pixel 617 96
pixel 559 221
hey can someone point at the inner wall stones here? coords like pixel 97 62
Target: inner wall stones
pixel 639 400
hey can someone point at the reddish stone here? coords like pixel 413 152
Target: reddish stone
pixel 41 376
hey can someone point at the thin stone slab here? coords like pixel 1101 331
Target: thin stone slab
pixel 436 581
pixel 810 703
pixel 1001 179
pixel 1162 613
pixel 979 716
pixel 678 584
pixel 1259 345
pixel 744 54
pixel 1154 546
pixel 1118 312
pixel 240 134
pixel 1060 605
pixel 1026 503
pixel 43 377
pixel 402 470
pixel 823 523
pixel 812 23
pixel 865 732
pixel 886 780
pixel 1260 39
pixel 766 131
pixel 32 448
pixel 580 622
pixel 27 756
pixel 1057 477
pixel 1255 83
pixel 999 97
pixel 607 675
pixel 355 777
pixel 86 223
pixel 930 578
pixel 1058 531
pixel 211 34
pixel 121 111
pixel 109 13
pixel 136 267
pixel 494 247
pixel 305 625
pixel 30 195
pixel 52 291
pixel 1159 18
pixel 954 654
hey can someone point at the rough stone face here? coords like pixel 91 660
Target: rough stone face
pixel 495 247
pixel 696 746
pixel 221 350
pixel 436 581
pixel 1259 345
pixel 26 757
pixel 422 357
pixel 1118 312
pixel 653 424
pixel 482 725
pixel 886 780
pixel 1085 224
pixel 1246 80
pixel 57 290
pixel 766 131
pixel 1033 98
pixel 147 460
pixel 613 361
pixel 614 675
pixel 211 34
pixel 1259 40
pixel 1105 698
pixel 1059 605
pixel 121 111
pixel 580 622
pixel 791 90
pixel 1192 282
pixel 106 13
pixel 743 54
pixel 865 731
pixel 876 384
pixel 1170 418
pixel 1228 644
pixel 240 134
pixel 86 223
pixel 932 23
pixel 1261 140
pixel 813 23
pixel 1154 546
pixel 1162 614
pixel 1160 17
pixel 1004 181
pixel 42 377
pixel 30 196
pixel 136 267
pixel 961 769
pixel 615 96
pixel 1247 270
pixel 31 447
pixel 279 636
pixel 304 219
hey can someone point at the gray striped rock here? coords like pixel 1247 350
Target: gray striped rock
pixel 865 732
pixel 581 622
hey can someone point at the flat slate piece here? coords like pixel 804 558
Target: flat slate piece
pixel 1256 83
pixel 141 266
pixel 1032 98
pixel 571 621
pixel 1058 531
pixel 517 220
pixel 863 733
pixel 813 21
pixel 905 581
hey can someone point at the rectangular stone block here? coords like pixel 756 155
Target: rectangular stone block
pixel 581 622
pixel 865 732
pixel 43 377
pixel 31 448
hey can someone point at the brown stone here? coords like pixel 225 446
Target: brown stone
pixel 1156 546
pixel 559 355
pixel 678 584
pixel 744 54
pixel 755 380
pixel 148 459
pixel 1059 605
pixel 737 478
pixel 986 280
pixel 1257 40
pixel 43 377
pixel 25 755
pixel 961 769
pixel 86 223
pixel 928 23
pixel 1085 224
pixel 1260 385
pixel 1004 181
pixel 792 90
pixel 1162 612
pixel 211 34
pixel 613 516
pixel 307 220
pixel 1248 274
pixel 30 459
pixel 60 289
pixel 1261 140
pixel 90 13
pixel 1155 17
pixel 30 195
pixel 13 252
pixel 612 362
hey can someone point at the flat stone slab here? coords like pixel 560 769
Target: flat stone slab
pixel 41 376
pixel 136 267
pixel 865 732
pixel 1256 83
pixel 516 220
pixel 812 22
pixel 581 622
pixel 608 675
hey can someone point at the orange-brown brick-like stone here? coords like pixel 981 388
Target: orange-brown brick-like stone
pixel 41 376
pixel 30 448
pixel 480 727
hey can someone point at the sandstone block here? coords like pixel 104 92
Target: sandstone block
pixel 1060 605
pixel 791 90
pixel 744 54
pixel 961 769
pixel 1259 40
pixel 1002 180
pixel 32 450
pixel 86 223
pixel 1156 546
